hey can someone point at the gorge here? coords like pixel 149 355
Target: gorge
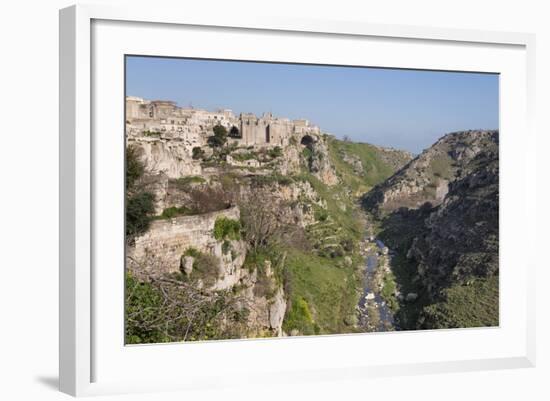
pixel 245 227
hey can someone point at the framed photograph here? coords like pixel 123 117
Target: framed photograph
pixel 284 200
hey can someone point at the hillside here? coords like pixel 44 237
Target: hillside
pixel 262 240
pixel 439 214
pixel 426 178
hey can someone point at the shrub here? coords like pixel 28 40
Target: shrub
pixel 347 244
pixel 277 151
pixel 299 318
pixel 273 178
pixel 139 202
pixel 172 212
pixel 226 228
pixel 184 182
pixel 206 268
pixel 142 303
pixel 152 133
pixel 226 247
pixel 219 138
pixel 245 156
pixel 321 214
pixel 198 153
pixel 134 167
pixel 191 252
pixel 264 287
pixel 139 208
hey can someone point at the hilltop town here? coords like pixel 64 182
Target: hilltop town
pixel 193 126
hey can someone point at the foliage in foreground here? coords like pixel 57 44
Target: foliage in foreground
pixel 139 200
pixel 169 309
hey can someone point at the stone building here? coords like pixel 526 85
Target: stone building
pixel 164 119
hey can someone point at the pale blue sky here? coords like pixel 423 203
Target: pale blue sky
pixel 405 109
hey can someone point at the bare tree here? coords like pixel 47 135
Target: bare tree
pixel 263 219
pixel 180 310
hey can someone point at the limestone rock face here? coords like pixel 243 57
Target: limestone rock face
pixel 354 162
pixel 187 264
pixel 290 161
pixel 460 236
pixel 442 211
pixel 427 177
pixel 277 312
pixel 231 271
pixel 266 314
pixel 320 164
pixel 169 157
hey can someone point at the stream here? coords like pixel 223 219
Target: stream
pixel 370 296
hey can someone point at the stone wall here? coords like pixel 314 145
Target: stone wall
pixel 159 250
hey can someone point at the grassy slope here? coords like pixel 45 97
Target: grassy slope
pixel 323 290
pixel 328 292
pixel 374 168
pixel 474 305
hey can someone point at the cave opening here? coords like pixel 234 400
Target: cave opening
pixel 306 140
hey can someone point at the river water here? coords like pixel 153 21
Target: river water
pixel 371 296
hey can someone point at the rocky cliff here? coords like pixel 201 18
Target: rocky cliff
pixel 426 178
pixel 440 214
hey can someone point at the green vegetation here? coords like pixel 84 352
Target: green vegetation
pixel 388 291
pixel 139 200
pixel 219 138
pixel 169 309
pixel 226 228
pixel 320 214
pixel 299 318
pixel 442 166
pixel 307 154
pixel 269 179
pixel 375 169
pixel 171 212
pixel 185 182
pixel 143 300
pixel 134 167
pixel 198 153
pixel 474 304
pixel 205 266
pixel 245 156
pixel 152 133
pixel 321 294
pixel 191 252
pixel 343 219
pixel 275 152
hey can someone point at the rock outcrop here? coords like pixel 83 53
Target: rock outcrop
pixel 170 157
pixel 460 237
pixel 320 164
pixel 441 213
pixel 426 178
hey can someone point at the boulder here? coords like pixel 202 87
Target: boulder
pixel 411 297
pixel 370 296
pixel 187 264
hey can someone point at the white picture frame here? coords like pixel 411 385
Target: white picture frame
pixel 91 359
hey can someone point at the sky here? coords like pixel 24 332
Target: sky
pixel 404 109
